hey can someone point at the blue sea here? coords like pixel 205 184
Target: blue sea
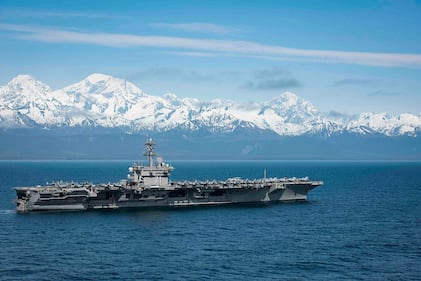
pixel 364 223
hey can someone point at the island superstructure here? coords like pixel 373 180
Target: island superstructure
pixel 150 186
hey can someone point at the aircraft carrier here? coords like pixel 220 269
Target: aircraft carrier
pixel 149 186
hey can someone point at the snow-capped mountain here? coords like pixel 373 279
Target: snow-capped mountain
pixel 402 124
pixel 24 101
pixel 109 102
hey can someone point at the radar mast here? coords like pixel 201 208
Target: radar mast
pixel 149 151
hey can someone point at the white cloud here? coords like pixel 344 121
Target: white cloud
pixel 172 73
pixel 197 27
pixel 222 47
pixel 193 54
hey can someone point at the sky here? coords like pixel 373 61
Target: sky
pixel 343 56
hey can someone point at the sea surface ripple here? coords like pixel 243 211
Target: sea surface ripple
pixel 364 223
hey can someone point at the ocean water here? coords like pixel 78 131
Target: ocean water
pixel 364 223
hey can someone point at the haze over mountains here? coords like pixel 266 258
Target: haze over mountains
pixel 102 102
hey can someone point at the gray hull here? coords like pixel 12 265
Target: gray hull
pixel 85 196
pixel 149 186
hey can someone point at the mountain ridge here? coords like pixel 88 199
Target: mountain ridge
pixel 102 100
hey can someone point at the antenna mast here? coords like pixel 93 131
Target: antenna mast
pixel 149 151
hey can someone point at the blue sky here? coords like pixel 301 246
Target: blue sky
pixel 345 56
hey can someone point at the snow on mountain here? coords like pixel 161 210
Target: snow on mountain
pixel 287 114
pixel 105 101
pixel 24 100
pixel 402 124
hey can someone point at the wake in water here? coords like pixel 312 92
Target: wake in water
pixel 7 212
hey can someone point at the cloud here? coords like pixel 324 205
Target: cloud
pixel 197 27
pixel 273 84
pixel 273 72
pixel 224 47
pixel 193 54
pixel 171 73
pixel 382 93
pixel 272 79
pixel 338 115
pixel 355 82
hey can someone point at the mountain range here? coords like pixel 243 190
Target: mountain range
pixel 101 113
pixel 108 102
